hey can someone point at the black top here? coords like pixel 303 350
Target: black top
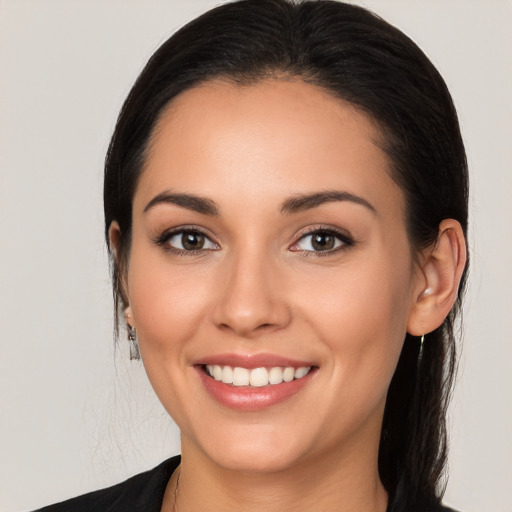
pixel 141 493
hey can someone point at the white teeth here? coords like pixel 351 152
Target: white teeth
pixel 288 374
pixel 217 372
pixel 275 375
pixel 301 372
pixel 227 375
pixel 240 376
pixel 257 377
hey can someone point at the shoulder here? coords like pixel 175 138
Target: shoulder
pixel 441 508
pixel 142 492
pixel 401 503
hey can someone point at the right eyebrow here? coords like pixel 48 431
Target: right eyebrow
pixel 300 203
pixel 192 202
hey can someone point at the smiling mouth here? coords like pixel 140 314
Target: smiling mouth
pixel 255 377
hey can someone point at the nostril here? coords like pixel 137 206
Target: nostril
pixel 249 313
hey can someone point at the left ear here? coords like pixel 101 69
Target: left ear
pixel 441 270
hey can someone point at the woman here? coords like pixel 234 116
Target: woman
pixel 286 210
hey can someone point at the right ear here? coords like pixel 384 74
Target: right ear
pixel 114 237
pixel 114 240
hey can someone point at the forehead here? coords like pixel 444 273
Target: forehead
pixel 290 135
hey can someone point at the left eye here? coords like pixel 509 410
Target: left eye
pixel 319 241
pixel 190 241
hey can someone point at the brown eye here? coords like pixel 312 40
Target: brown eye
pixel 322 241
pixel 192 241
pixel 189 240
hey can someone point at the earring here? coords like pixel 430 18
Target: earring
pixel 420 352
pixel 134 345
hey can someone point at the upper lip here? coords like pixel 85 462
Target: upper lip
pixel 250 361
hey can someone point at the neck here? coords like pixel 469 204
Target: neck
pixel 341 482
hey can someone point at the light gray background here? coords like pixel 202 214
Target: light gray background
pixel 75 415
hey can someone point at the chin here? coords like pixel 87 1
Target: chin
pixel 254 461
pixel 254 452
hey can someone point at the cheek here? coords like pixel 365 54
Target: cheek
pixel 360 312
pixel 168 303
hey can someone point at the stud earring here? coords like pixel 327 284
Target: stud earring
pixel 134 344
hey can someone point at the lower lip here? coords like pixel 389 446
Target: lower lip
pixel 252 399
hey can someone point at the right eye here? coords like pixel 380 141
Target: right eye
pixel 189 240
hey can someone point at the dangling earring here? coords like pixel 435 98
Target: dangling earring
pixel 134 345
pixel 420 353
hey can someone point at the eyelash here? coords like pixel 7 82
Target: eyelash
pixel 166 236
pixel 346 241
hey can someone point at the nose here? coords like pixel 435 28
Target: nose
pixel 252 297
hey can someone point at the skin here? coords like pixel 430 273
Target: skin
pixel 257 287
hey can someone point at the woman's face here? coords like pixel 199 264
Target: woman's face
pixel 268 234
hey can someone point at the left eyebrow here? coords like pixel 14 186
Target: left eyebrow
pixel 303 202
pixel 189 201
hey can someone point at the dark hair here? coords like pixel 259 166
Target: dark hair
pixel 358 57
